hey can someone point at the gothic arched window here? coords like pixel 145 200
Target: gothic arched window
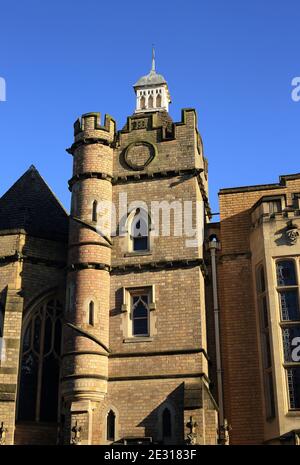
pixel 166 423
pixel 150 102
pixel 140 315
pixel 158 101
pixel 94 214
pixel 142 103
pixel 139 231
pixel 41 350
pixel 111 426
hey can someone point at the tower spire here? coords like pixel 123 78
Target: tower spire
pixel 153 58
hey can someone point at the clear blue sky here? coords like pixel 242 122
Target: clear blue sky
pixel 232 60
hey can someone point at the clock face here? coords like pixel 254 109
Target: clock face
pixel 139 154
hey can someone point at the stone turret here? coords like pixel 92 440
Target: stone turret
pixel 86 334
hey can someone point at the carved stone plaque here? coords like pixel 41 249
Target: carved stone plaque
pixel 139 123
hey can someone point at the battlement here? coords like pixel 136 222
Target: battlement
pixel 188 117
pixel 89 125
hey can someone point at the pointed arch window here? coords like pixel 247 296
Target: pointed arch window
pixel 1 320
pixel 139 304
pixel 94 213
pixel 150 102
pixel 166 423
pixel 91 313
pixel 140 314
pixel 142 103
pixel 40 364
pixel 111 426
pixel 139 231
pixel 158 101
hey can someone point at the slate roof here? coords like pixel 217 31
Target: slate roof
pixel 153 78
pixel 31 205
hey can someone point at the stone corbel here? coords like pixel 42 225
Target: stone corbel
pixel 192 435
pixel 124 308
pixel 291 233
pixel 76 435
pixel 3 432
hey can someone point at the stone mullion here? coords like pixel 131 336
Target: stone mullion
pixel 40 365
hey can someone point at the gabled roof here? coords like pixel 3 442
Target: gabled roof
pixel 31 205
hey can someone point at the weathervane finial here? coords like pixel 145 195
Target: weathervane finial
pixel 153 58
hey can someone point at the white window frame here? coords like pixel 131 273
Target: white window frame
pixel 127 311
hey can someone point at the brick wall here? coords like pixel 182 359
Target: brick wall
pixel 243 392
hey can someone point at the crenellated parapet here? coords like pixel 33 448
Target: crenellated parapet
pixel 89 125
pixel 88 130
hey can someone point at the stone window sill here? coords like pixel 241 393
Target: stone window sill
pixel 138 339
pixel 138 254
pixel 293 413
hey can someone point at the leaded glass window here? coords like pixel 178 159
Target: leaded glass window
pixel 286 273
pixel 288 293
pixel 140 315
pixel 293 381
pixel 289 305
pixel 41 350
pixel 289 334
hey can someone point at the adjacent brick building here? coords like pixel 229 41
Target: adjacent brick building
pixel 258 275
pixel 109 316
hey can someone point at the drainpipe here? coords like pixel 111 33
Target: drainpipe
pixel 213 246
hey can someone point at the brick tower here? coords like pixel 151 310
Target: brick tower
pixel 86 334
pixel 134 363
